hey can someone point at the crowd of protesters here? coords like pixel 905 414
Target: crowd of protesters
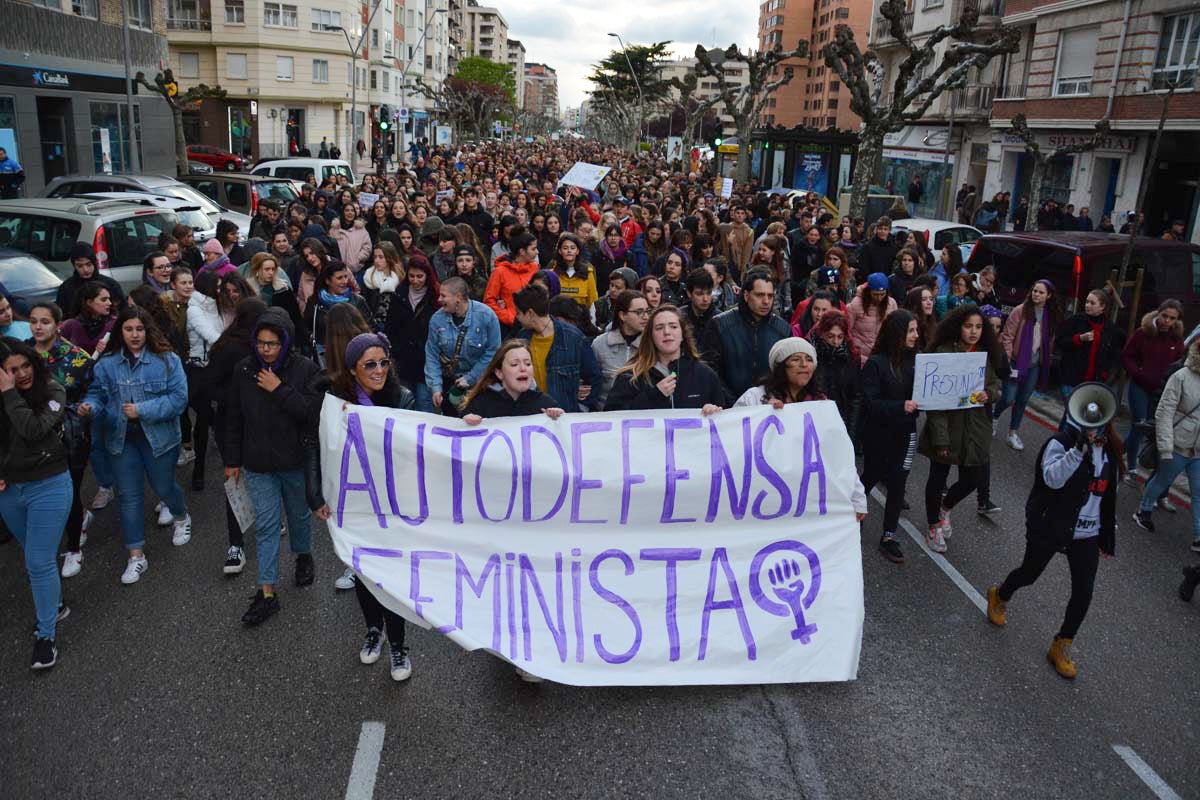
pixel 477 285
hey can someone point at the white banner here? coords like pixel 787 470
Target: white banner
pixel 367 199
pixel 584 175
pixel 949 381
pixel 630 548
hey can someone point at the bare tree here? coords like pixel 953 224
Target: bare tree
pixel 918 81
pixel 165 87
pixel 745 103
pixel 1042 158
pixel 693 110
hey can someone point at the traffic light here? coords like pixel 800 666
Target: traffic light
pixel 385 118
pixel 715 141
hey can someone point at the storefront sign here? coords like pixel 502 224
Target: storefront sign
pixel 932 156
pixel 36 78
pixel 917 137
pixel 1053 141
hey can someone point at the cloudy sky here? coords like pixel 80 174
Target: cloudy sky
pixel 570 35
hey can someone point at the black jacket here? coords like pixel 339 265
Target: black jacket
pixel 265 431
pixel 313 330
pixel 495 402
pixel 68 293
pixel 875 256
pixel 697 324
pixel 1075 353
pixel 884 393
pixel 805 258
pixel 603 265
pixel 218 380
pixel 696 387
pixel 480 221
pixel 737 345
pixel 407 328
pixel 1051 514
pixel 840 379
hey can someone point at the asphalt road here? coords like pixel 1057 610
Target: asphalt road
pixel 160 692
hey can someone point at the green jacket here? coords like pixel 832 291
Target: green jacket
pixel 967 433
pixel 31 443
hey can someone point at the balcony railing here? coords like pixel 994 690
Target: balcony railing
pixel 883 27
pixel 188 24
pixel 1012 91
pixel 986 8
pixel 972 99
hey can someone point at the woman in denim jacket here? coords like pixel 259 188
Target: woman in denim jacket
pixel 138 392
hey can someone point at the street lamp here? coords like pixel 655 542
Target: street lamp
pixel 638 84
pixel 404 77
pixel 354 51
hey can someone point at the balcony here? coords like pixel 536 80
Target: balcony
pixel 973 100
pixel 883 27
pixel 986 8
pixel 188 24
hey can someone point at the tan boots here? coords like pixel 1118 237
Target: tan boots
pixel 1059 657
pixel 997 609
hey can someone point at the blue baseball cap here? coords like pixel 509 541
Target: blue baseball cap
pixel 877 282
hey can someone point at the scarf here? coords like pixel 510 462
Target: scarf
pixel 327 299
pixel 613 255
pixel 828 353
pixel 415 296
pixel 220 264
pixel 93 326
pixel 364 399
pixel 1025 348
pixel 374 279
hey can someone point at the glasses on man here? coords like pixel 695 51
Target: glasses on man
pixel 641 312
pixel 371 366
pixel 262 344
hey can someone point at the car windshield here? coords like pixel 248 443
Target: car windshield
pixel 276 190
pixel 182 191
pixel 196 220
pixel 957 236
pixel 24 275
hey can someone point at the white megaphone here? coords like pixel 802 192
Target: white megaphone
pixel 1092 405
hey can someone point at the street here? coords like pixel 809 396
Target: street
pixel 161 692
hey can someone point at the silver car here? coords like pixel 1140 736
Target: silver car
pixel 190 214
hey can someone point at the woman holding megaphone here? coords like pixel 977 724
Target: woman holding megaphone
pixel 1071 510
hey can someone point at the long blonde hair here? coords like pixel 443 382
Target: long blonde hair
pixel 647 354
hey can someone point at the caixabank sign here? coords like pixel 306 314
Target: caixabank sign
pixel 40 78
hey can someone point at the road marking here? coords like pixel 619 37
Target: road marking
pixel 366 762
pixel 1143 770
pixel 962 583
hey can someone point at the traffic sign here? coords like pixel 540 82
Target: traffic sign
pixel 402 114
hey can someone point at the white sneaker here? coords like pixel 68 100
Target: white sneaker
pixel 995 427
pixel 104 496
pixel 134 569
pixel 944 523
pixel 88 518
pixel 935 539
pixel 72 563
pixel 1015 442
pixel 346 581
pixel 186 456
pixel 183 531
pixel 165 517
pixel 372 647
pixel 399 663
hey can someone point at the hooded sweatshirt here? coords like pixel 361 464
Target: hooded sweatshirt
pixel 506 280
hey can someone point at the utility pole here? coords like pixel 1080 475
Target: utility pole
pixel 354 51
pixel 133 164
pixel 404 79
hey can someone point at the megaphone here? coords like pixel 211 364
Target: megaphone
pixel 1092 405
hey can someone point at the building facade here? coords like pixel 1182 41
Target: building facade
pixel 486 33
pixel 516 60
pixel 541 90
pixel 63 106
pixel 737 73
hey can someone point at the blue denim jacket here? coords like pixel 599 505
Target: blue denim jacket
pixel 155 382
pixel 479 345
pixel 569 363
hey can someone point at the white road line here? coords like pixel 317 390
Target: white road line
pixel 962 583
pixel 366 762
pixel 1143 770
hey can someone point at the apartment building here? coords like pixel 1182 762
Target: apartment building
pixel 541 90
pixel 428 52
pixel 63 107
pixel 1081 61
pixel 486 33
pixel 516 60
pixel 737 73
pixel 815 97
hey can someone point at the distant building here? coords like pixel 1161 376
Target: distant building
pixel 541 90
pixel 736 72
pixel 487 33
pixel 516 60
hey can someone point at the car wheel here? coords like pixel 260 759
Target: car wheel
pixel 230 167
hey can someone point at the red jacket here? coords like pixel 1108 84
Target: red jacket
pixel 507 279
pixel 1149 352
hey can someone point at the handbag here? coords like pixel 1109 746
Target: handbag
pixel 449 365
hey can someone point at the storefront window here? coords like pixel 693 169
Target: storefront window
pixel 109 150
pixel 898 175
pixel 1056 182
pixel 239 132
pixel 8 128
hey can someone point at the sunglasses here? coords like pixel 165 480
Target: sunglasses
pixel 371 366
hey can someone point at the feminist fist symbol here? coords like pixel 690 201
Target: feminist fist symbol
pixel 789 587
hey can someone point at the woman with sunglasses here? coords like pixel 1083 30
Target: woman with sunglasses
pixel 366 380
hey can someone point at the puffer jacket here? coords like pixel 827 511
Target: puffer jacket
pixel 354 244
pixel 612 352
pixel 506 280
pixel 864 327
pixel 1177 420
pixel 967 433
pixel 31 444
pixel 1149 353
pixel 204 326
pixel 265 431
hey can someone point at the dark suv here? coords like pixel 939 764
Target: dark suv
pixel 1077 262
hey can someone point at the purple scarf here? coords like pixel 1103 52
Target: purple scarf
pixel 1025 348
pixel 614 255
pixel 364 399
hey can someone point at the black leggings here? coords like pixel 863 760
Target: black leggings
pixel 969 477
pixel 376 615
pixel 1083 557
pixel 74 529
pixel 200 400
pixel 889 465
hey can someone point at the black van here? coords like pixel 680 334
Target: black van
pixel 1077 262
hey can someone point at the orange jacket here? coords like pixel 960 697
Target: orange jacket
pixel 506 280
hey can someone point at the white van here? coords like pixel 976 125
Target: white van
pixel 298 169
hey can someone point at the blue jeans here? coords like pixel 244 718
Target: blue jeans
pixel 102 464
pixel 266 490
pixel 1160 483
pixel 1139 409
pixel 133 468
pixel 1066 393
pixel 36 513
pixel 424 397
pixel 1017 392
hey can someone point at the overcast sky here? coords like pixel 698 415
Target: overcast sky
pixel 570 35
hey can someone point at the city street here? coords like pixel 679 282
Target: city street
pixel 160 691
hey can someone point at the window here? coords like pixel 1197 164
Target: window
pixel 235 65
pixel 349 73
pixel 386 78
pixel 387 45
pixel 831 122
pixel 1076 57
pixel 375 37
pixel 933 4
pixel 280 16
pixel 324 21
pixel 833 103
pixel 283 68
pixel 86 8
pixel 189 65
pixel 235 12
pixel 54 4
pixel 374 79
pixel 140 15
pixel 320 71
pixel 45 237
pixel 1175 63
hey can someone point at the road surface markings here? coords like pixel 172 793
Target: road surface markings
pixel 1143 770
pixel 366 762
pixel 962 583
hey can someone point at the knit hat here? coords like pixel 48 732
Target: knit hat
pixel 364 342
pixel 213 246
pixel 784 349
pixel 464 250
pixel 629 275
pixel 827 276
pixel 877 282
pixel 990 311
pixel 82 250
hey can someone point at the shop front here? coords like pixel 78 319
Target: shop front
pixel 803 159
pixel 917 166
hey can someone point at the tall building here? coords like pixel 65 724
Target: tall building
pixel 516 60
pixel 62 101
pixel 541 90
pixel 456 19
pixel 815 97
pixel 428 49
pixel 571 118
pixel 487 33
pixel 737 73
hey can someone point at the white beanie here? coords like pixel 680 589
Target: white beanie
pixel 784 349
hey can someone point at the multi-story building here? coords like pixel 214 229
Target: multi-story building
pixel 737 73
pixel 571 118
pixel 949 146
pixel 63 106
pixel 456 20
pixel 486 33
pixel 1081 61
pixel 541 90
pixel 516 60
pixel 429 55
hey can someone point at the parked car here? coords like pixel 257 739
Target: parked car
pixel 121 232
pixel 74 185
pixel 242 192
pixel 215 157
pixel 1077 262
pixel 27 279
pixel 199 168
pixel 939 233
pixel 190 213
pixel 298 169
